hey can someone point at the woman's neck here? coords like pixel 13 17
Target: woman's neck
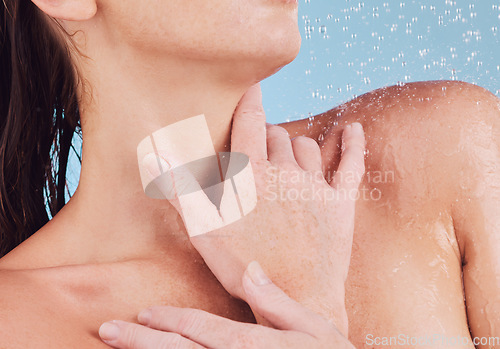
pixel 126 93
pixel 110 202
pixel 109 218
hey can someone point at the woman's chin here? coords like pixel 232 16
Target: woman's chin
pixel 283 55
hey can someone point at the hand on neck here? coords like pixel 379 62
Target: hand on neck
pixel 109 218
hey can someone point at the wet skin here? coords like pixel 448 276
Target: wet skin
pixel 429 210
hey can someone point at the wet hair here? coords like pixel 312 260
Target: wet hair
pixel 38 118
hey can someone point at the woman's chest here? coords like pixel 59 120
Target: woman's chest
pixel 68 311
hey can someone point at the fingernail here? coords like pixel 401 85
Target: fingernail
pixel 257 275
pixel 155 165
pixel 255 88
pixel 357 128
pixel 109 331
pixel 144 317
pixel 253 93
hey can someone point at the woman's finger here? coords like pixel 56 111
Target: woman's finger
pixel 125 335
pixel 269 301
pixel 248 133
pixel 208 329
pixel 307 153
pixel 279 146
pixel 352 163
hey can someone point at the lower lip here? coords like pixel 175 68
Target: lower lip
pixel 294 2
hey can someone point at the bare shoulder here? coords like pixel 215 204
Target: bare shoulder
pixel 423 110
pixel 438 137
pixel 15 300
pixel 432 122
pixel 435 107
pixel 412 126
pixel 33 311
pixel 423 138
pixel 27 311
pixel 430 110
pixel 389 111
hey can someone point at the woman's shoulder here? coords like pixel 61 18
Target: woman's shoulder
pixel 36 313
pixel 421 136
pixel 424 103
pixel 412 128
pixel 21 302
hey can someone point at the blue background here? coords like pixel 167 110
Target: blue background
pixel 352 47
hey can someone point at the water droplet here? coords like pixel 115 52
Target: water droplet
pixel 310 120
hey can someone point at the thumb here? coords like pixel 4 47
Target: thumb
pixel 248 134
pixel 269 301
pixel 178 185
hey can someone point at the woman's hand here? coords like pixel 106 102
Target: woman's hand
pixel 302 227
pixel 168 327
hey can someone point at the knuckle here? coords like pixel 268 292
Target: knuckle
pixel 280 299
pixel 357 167
pixel 243 340
pixel 358 145
pixel 252 112
pixel 327 329
pixel 191 323
pixel 303 140
pixel 307 145
pixel 158 313
pixel 272 296
pixel 275 130
pixel 130 335
pixel 354 156
pixel 171 341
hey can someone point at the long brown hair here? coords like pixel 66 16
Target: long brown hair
pixel 38 118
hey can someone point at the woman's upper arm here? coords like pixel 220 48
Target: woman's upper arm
pixel 476 213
